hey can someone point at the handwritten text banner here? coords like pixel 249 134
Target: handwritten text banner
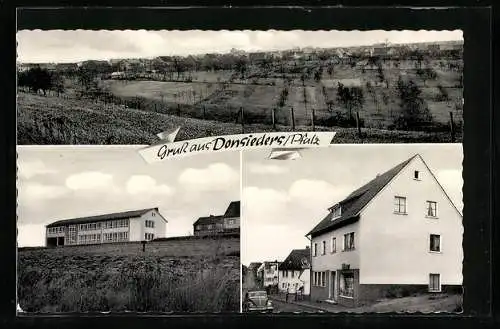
pixel 169 150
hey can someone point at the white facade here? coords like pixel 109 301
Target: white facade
pixel 148 226
pixel 392 247
pixel 268 272
pixel 295 278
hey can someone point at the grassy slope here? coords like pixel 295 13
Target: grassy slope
pixel 72 282
pixel 53 120
pixel 423 303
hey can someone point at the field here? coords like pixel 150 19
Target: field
pixel 59 120
pixel 71 280
pixel 258 96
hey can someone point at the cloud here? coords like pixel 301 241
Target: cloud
pixel 259 168
pixel 32 192
pixel 89 180
pixel 144 184
pixel 29 169
pixel 215 177
pixel 30 235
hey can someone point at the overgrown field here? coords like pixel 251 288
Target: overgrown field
pixel 89 282
pixel 57 120
pixel 258 96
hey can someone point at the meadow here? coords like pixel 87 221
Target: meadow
pixel 71 280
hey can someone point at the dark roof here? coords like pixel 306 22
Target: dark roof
pixel 254 265
pixel 298 259
pixel 101 218
pixel 357 200
pixel 233 210
pixel 208 220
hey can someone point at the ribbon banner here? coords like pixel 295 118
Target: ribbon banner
pixel 168 149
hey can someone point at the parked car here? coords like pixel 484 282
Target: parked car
pixel 257 301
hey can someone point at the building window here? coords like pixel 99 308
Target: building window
pixel 347 285
pixel 153 214
pixel 416 175
pixel 434 282
pixel 231 222
pixel 315 250
pixel 292 273
pixel 209 226
pixel 323 247
pixel 349 241
pixel 334 245
pixel 435 242
pixel 319 279
pixel 336 212
pixel 150 223
pixel 399 205
pixel 431 209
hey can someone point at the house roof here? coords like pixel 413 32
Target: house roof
pixel 357 200
pixel 101 218
pixel 233 210
pixel 254 265
pixel 298 259
pixel 208 220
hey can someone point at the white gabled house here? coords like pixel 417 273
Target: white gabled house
pixel 294 271
pixel 399 231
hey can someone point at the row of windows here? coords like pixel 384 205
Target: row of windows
pixel 400 207
pixel 213 226
pixel 55 230
pixel 149 236
pixel 115 236
pixel 348 245
pixel 434 244
pixel 150 223
pixel 284 273
pixel 319 279
pixel 89 238
pixel 105 225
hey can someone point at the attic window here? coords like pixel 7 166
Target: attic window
pixel 336 212
pixel 416 175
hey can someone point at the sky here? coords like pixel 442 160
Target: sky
pixel 283 200
pixel 59 46
pixel 62 182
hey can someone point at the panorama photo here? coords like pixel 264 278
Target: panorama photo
pixel 125 87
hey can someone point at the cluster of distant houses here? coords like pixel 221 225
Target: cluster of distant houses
pixel 399 232
pixel 136 225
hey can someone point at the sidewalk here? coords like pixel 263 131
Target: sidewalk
pixel 325 307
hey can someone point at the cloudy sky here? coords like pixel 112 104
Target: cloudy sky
pixel 38 46
pixel 65 182
pixel 283 200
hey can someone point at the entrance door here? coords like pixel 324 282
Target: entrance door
pixel 333 284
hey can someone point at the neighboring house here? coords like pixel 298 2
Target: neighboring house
pixel 136 225
pixel 400 230
pixel 213 225
pixel 295 270
pixel 118 75
pixel 268 273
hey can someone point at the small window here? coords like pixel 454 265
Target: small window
pixel 315 250
pixel 434 282
pixel 323 247
pixel 153 214
pixel 336 212
pixel 435 242
pixel 292 273
pixel 431 209
pixel 334 245
pixel 416 175
pixel 399 205
pixel 349 241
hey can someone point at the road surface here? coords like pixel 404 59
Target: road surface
pixel 280 306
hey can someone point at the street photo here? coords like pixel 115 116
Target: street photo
pixel 353 228
pixel 100 230
pixel 128 86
